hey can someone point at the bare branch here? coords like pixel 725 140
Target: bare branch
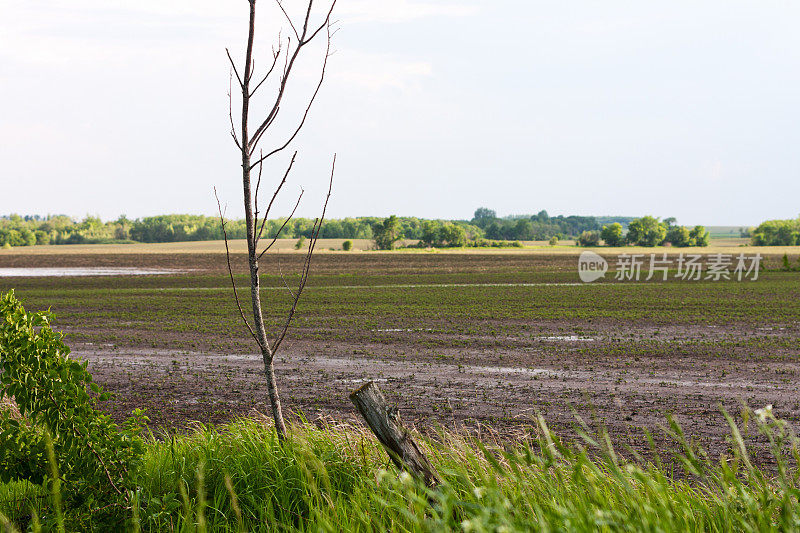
pixel 307 264
pixel 271 68
pixel 280 271
pixel 305 21
pixel 321 26
pixel 278 233
pixel 257 136
pixel 230 269
pixel 288 18
pixel 230 111
pixel 255 197
pixel 287 71
pixel 233 65
pixel 247 143
pixel 274 195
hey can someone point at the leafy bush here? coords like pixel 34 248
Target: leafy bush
pixel 777 233
pixel 300 242
pixel 699 236
pixel 387 233
pixel 678 236
pixel 650 231
pixel 612 235
pixel 452 235
pixel 589 238
pixel 347 246
pixel 646 231
pixel 95 458
pixel 334 478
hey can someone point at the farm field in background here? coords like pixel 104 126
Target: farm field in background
pixel 457 338
pixel 723 245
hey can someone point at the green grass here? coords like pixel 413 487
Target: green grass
pixel 179 303
pixel 240 478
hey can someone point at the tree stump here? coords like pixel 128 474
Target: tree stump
pixel 384 421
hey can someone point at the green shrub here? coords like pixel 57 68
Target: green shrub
pixel 678 236
pixel 300 243
pixel 387 233
pixel 612 235
pixel 95 458
pixel 646 231
pixel 777 233
pixel 589 238
pixel 347 246
pixel 239 477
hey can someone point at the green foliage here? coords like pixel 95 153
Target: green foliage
pixel 612 235
pixel 96 459
pixel 553 241
pixel 430 233
pixel 787 266
pixel 539 227
pixel 452 235
pixel 649 231
pixel 440 234
pixel 589 238
pixel 22 231
pixel 646 231
pixel 17 237
pixel 387 233
pixel 777 233
pixel 699 236
pixel 484 213
pixel 300 243
pixel 678 236
pixel 347 245
pixel 240 478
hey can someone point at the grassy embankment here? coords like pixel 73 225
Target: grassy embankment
pixel 240 478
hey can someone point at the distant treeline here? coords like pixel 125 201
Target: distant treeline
pixel 16 230
pixel 777 233
pixel 646 231
pixel 539 227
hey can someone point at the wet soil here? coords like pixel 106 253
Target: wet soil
pixel 470 388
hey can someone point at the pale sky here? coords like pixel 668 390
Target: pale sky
pixel 673 108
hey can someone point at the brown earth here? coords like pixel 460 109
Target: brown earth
pixel 475 383
pixel 466 388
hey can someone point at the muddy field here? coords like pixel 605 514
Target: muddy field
pixel 483 341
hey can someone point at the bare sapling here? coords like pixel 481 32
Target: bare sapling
pixel 249 141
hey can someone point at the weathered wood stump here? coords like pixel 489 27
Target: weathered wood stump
pixel 384 421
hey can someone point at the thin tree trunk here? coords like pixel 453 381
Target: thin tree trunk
pixel 250 223
pixel 247 146
pixel 275 401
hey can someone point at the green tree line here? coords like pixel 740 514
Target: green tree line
pixel 777 233
pixel 16 230
pixel 484 229
pixel 538 227
pixel 646 231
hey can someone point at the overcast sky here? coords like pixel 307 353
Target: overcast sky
pixel 674 108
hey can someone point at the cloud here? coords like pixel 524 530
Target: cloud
pixel 397 10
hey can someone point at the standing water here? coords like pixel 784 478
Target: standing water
pixel 83 271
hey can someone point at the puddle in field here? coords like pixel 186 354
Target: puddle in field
pixel 392 330
pixel 57 272
pixel 570 338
